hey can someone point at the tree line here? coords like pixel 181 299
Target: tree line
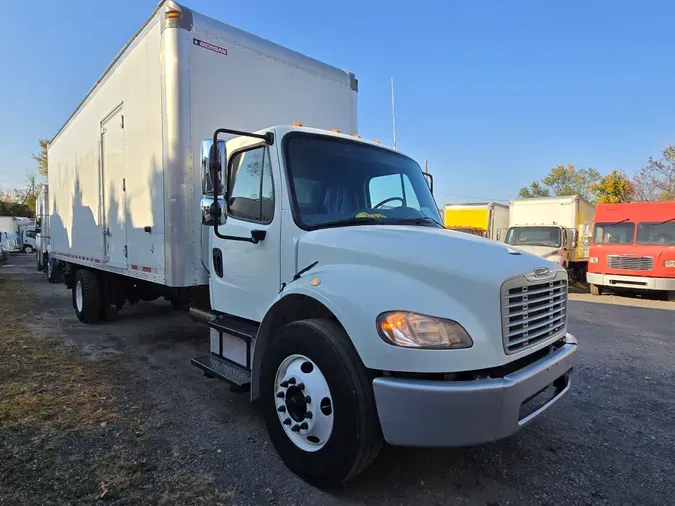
pixel 653 182
pixel 21 201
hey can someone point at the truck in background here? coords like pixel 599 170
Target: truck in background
pixel 486 219
pixel 292 244
pixel 633 248
pixel 555 228
pixel 42 227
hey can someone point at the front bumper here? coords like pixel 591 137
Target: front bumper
pixel 638 282
pixel 416 412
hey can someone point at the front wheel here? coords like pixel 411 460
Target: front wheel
pixel 318 403
pixel 596 289
pixel 53 270
pixel 28 249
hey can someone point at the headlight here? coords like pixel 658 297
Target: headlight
pixel 413 330
pixel 669 263
pixel 593 260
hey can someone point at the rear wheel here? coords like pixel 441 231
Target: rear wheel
pixel 318 403
pixel 86 296
pixel 28 249
pixel 596 289
pixel 53 270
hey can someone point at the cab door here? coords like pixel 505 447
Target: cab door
pixel 245 276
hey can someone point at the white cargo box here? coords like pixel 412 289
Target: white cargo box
pixel 125 169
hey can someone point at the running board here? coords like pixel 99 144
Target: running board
pixel 215 367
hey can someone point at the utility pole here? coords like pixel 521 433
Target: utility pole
pixel 393 112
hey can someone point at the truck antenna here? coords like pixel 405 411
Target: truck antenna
pixel 393 112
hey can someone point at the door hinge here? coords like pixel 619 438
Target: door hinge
pixel 125 252
pixel 124 184
pixel 122 125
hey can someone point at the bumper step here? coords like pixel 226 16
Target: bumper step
pixel 215 367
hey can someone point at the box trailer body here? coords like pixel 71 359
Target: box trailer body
pixel 633 248
pixel 124 171
pixel 491 217
pixel 556 228
pixel 296 256
pixel 9 224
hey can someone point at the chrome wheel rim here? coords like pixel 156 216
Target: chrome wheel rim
pixel 78 296
pixel 304 403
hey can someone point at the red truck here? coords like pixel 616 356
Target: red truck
pixel 633 248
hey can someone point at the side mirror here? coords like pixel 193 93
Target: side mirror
pixel 207 154
pixel 430 181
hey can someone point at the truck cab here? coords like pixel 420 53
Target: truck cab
pixel 633 248
pixel 334 302
pixel 552 242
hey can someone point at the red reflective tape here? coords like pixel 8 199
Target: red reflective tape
pixel 134 267
pixel 97 261
pixel 147 269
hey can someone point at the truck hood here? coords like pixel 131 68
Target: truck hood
pixel 542 251
pixel 431 255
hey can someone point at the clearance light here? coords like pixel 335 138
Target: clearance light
pixel 173 15
pixel 335 130
pixel 413 330
pixel 356 135
pixel 375 141
pixel 593 260
pixel 296 123
pixel 669 263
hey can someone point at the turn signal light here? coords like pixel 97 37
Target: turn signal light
pixel 669 263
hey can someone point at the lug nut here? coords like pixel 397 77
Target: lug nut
pixel 301 386
pixel 280 395
pixel 291 381
pixel 296 428
pixel 308 399
pixel 308 415
pixel 303 426
pixel 287 421
pixel 284 384
pixel 281 409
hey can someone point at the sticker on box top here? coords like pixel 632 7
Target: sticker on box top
pixel 210 47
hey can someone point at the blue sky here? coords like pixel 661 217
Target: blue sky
pixel 492 93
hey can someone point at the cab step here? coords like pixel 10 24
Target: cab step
pixel 215 367
pixel 234 327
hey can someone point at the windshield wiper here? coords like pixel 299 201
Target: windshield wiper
pixel 616 223
pixel 350 221
pixel 665 221
pixel 417 221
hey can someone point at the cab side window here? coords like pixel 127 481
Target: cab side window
pixel 251 195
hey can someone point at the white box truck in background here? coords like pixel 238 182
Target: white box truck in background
pixel 307 267
pixel 42 226
pixel 556 228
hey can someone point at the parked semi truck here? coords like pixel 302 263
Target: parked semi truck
pixel 42 227
pixel 555 228
pixel 299 247
pixel 487 219
pixel 633 248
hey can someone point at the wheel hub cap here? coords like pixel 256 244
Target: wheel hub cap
pixel 304 403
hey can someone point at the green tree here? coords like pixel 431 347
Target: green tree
pixel 656 180
pixel 534 190
pixel 41 157
pixel 563 180
pixel 613 188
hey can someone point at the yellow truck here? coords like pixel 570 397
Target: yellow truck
pixel 487 219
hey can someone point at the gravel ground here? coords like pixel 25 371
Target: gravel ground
pixel 157 432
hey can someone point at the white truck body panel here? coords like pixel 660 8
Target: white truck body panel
pixel 9 224
pixel 125 170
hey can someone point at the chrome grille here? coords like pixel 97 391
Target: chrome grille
pixel 630 262
pixel 533 311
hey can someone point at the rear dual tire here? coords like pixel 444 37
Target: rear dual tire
pixel 86 296
pixel 343 435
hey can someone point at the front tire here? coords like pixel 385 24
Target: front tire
pixel 28 249
pixel 596 289
pixel 341 435
pixel 53 270
pixel 86 296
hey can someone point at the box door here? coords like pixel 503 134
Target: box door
pixel 113 182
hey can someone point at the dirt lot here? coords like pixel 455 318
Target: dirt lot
pixel 115 414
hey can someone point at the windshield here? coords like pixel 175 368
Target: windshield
pixel 466 230
pixel 614 233
pixel 534 236
pixel 656 233
pixel 338 182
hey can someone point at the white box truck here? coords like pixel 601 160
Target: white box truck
pixel 42 227
pixel 306 267
pixel 555 228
